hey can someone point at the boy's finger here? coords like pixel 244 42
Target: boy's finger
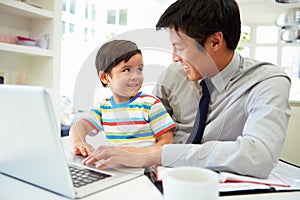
pixel 83 151
pixel 76 150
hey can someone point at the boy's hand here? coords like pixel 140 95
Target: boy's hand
pixel 82 148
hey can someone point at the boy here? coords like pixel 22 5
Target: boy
pixel 129 117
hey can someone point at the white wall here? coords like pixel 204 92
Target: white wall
pixel 291 149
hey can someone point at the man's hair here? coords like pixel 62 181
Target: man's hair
pixel 199 19
pixel 112 53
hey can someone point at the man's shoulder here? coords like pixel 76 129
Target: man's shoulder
pixel 258 69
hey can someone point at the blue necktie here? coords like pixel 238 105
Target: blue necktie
pixel 199 124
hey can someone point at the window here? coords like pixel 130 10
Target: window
pixel 268 54
pixel 71 28
pixel 290 61
pixel 72 6
pixel 111 16
pixel 245 51
pixel 64 7
pixel 86 10
pixel 243 46
pixel 267 44
pixel 85 34
pixel 93 12
pixel 267 34
pixel 123 17
pixel 63 28
pixel 93 32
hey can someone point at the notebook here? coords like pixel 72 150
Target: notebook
pixel 32 150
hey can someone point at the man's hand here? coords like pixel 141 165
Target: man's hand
pixel 126 156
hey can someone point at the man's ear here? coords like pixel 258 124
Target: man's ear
pixel 103 77
pixel 216 41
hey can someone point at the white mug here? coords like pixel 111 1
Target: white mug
pixel 190 183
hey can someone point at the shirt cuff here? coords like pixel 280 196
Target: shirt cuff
pixel 174 154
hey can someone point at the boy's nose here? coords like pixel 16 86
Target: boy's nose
pixel 135 75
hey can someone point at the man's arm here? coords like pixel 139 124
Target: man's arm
pixel 256 150
pixel 125 155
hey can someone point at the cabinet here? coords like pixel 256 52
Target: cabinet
pixel 37 66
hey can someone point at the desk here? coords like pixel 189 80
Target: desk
pixel 138 188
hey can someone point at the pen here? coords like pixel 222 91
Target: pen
pixel 254 191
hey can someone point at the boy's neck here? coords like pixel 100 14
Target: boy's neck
pixel 120 100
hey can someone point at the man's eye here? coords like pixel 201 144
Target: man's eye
pixel 126 70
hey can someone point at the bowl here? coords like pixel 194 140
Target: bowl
pixel 26 41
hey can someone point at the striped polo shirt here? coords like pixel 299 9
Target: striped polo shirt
pixel 137 122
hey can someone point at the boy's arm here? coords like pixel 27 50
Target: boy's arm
pixel 165 138
pixel 78 132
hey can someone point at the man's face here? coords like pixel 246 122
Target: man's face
pixel 194 58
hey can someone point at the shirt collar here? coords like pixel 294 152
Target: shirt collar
pixel 221 79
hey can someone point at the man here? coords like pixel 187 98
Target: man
pixel 248 108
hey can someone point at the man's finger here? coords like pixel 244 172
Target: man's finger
pixel 90 160
pixel 108 161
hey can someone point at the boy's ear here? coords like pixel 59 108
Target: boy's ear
pixel 103 77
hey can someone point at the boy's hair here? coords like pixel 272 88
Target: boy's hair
pixel 200 19
pixel 112 53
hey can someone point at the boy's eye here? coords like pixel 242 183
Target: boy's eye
pixel 140 69
pixel 126 70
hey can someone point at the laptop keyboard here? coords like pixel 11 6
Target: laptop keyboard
pixel 81 176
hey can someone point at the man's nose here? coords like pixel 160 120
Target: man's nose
pixel 176 57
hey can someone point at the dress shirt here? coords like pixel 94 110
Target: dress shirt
pixel 246 123
pixel 180 97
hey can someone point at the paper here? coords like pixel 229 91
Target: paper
pixel 228 187
pixel 273 179
pixel 232 182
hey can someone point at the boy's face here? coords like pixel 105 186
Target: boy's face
pixel 186 50
pixel 126 79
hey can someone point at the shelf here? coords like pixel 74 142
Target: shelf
pixel 26 50
pixel 20 9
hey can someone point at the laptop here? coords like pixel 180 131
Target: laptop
pixel 32 149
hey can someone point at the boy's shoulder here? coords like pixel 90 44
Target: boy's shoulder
pixel 145 97
pixel 105 101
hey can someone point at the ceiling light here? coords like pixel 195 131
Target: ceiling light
pixel 285 1
pixel 290 36
pixel 289 19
